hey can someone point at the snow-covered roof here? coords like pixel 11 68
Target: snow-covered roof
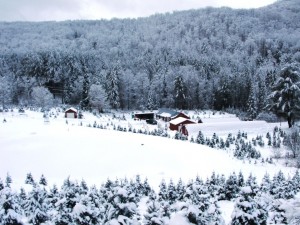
pixel 71 109
pixel 180 120
pixel 167 112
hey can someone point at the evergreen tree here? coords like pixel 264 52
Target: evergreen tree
pixel 112 87
pixel 10 211
pixel 163 191
pixel 1 185
pixel 43 181
pixel 29 179
pixel 180 92
pixel 277 214
pixel 35 206
pixel 84 212
pixel 65 205
pixel 262 95
pixel 153 213
pixel 231 187
pixel 200 138
pixel 284 100
pixel 120 208
pixel 172 193
pixel 241 179
pixel 180 189
pixel 8 180
pixel 252 103
pixel 265 184
pixel 247 210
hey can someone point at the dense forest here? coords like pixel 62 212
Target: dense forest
pixel 211 58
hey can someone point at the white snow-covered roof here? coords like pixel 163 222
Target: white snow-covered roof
pixel 164 114
pixel 180 120
pixel 73 109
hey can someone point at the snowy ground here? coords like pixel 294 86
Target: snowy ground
pixel 58 149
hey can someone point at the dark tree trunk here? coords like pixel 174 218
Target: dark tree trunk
pixel 290 121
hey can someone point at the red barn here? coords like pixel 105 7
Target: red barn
pixel 71 113
pixel 168 115
pixel 179 123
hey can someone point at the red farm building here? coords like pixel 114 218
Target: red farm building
pixel 168 115
pixel 71 113
pixel 179 124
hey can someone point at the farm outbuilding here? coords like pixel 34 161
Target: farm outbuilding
pixel 144 115
pixel 179 124
pixel 168 115
pixel 71 113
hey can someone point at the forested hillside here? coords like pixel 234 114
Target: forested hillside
pixel 212 58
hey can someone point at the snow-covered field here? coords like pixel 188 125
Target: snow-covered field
pixel 67 147
pixel 59 149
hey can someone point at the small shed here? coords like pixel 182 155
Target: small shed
pixel 168 115
pixel 144 115
pixel 179 124
pixel 71 113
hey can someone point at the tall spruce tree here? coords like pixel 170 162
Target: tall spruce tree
pixel 285 98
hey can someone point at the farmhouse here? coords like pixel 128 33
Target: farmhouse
pixel 179 124
pixel 71 113
pixel 168 115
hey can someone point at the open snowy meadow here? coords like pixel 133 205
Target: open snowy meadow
pixel 68 147
pixel 61 148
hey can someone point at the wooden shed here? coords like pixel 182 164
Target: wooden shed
pixel 71 113
pixel 179 124
pixel 144 116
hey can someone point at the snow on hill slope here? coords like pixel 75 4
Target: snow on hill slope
pixel 58 149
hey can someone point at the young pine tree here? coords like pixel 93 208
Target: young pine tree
pixel 247 210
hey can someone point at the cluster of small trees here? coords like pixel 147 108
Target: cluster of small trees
pixel 117 202
pixel 243 149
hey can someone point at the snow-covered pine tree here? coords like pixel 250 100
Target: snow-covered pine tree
pixel 265 185
pixel 180 189
pixel 251 182
pixel 36 207
pixel 284 100
pixel 120 208
pixel 277 214
pixel 278 185
pixel 231 187
pixel 10 211
pixel 66 203
pixel 85 212
pixel 247 210
pixel 295 179
pixel 112 86
pixel 179 92
pixel 172 193
pixel 43 180
pixel 153 214
pixel 52 198
pixel 29 179
pixel 22 198
pixel 1 185
pixel 252 103
pixel 214 213
pixel 8 180
pixel 163 191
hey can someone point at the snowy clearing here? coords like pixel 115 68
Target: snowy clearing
pixel 58 149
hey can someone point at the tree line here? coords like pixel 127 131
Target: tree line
pixel 212 58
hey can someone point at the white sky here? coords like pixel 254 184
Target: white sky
pixel 45 10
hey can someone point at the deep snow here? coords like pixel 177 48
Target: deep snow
pixel 67 147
